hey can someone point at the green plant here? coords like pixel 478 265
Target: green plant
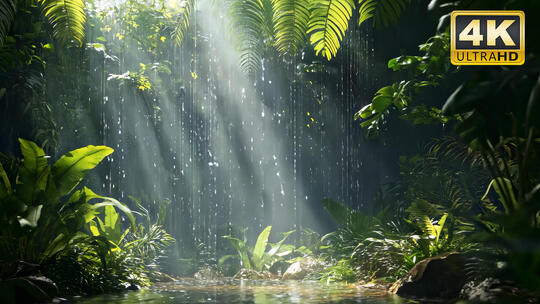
pixel 182 23
pixel 309 242
pixel 327 25
pixel 342 271
pixel 258 258
pixel 7 14
pixel 38 221
pixel 66 18
pixel 291 22
pixel 150 239
pixel 433 240
pixel 499 135
pixel 291 18
pixel 45 220
pixel 384 12
pixel 384 255
pixel 424 72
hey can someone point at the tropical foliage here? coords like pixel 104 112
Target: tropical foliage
pixel 66 18
pixel 290 22
pixel 72 233
pixel 257 257
pixel 499 136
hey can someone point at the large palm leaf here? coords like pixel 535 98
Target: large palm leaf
pixel 328 22
pixel 383 12
pixel 7 13
pixel 291 18
pixel 252 24
pixel 182 24
pixel 67 18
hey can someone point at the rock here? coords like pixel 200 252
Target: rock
pixel 22 282
pixel 45 284
pixel 438 277
pixel 300 269
pixel 130 286
pixel 18 269
pixel 208 273
pixel 495 291
pixel 251 274
pixel 28 290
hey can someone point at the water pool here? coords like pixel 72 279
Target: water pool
pixel 243 291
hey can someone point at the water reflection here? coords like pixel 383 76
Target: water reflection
pixel 242 291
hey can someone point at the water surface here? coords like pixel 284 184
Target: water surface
pixel 243 291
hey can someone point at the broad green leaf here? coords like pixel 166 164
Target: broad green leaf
pixel 365 112
pixel 62 242
pixel 72 167
pixel 440 225
pixel 33 213
pixel 225 258
pixel 57 245
pixel 260 247
pixel 34 173
pixel 80 210
pixel 111 217
pixel 110 226
pixel 92 225
pixel 506 194
pixel 381 103
pixel 108 201
pixel 241 248
pixel 275 248
pixel 5 185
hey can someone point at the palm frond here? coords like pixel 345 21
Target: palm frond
pixel 383 12
pixel 182 23
pixel 67 18
pixel 251 26
pixel 7 13
pixel 291 18
pixel 329 20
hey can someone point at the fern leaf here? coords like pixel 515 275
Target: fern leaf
pixel 7 13
pixel 429 228
pixel 252 24
pixel 328 22
pixel 182 23
pixel 384 12
pixel 67 18
pixel 291 18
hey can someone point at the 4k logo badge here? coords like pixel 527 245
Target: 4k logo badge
pixel 487 37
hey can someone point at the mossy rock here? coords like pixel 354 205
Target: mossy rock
pixel 300 269
pixel 208 273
